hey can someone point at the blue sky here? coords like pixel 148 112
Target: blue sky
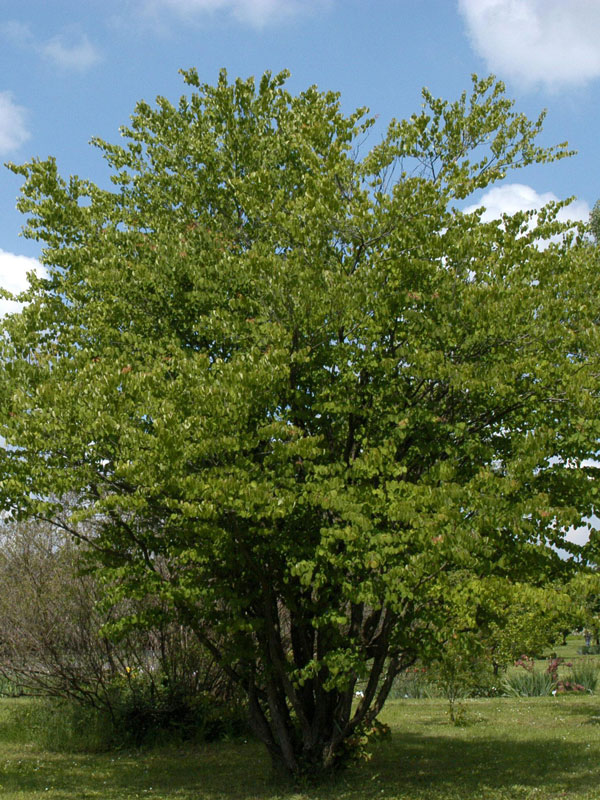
pixel 70 70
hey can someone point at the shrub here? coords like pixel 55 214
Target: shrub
pixel 56 640
pixel 589 650
pixel 565 685
pixel 143 713
pixel 138 720
pixel 10 686
pixel 460 670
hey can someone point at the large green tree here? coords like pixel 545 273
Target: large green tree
pixel 301 397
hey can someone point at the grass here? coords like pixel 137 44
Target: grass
pixel 570 650
pixel 512 749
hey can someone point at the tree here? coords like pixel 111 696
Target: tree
pixel 299 393
pixel 584 588
pixel 524 620
pixel 595 222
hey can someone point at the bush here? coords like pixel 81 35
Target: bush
pixel 56 640
pixel 566 685
pixel 589 650
pixel 460 671
pixel 10 686
pixel 454 677
pixel 62 725
pixel 489 688
pixel 142 714
pixel 583 678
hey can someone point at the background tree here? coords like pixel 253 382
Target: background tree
pixel 595 222
pixel 584 590
pixel 299 393
pixel 524 619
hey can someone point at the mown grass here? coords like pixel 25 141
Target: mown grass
pixel 568 651
pixel 510 749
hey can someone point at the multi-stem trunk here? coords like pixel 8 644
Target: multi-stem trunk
pixel 310 728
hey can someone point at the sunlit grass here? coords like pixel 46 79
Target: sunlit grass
pixel 568 651
pixel 510 749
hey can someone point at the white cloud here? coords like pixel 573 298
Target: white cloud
pixel 548 42
pixel 257 13
pixel 78 55
pixel 18 32
pixel 67 50
pixel 580 535
pixel 13 128
pixel 13 277
pixel 513 197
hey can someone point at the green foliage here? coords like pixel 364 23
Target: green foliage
pixel 359 747
pixel 10 686
pixel 301 398
pixel 559 677
pixel 138 718
pixel 590 650
pixel 461 669
pixel 595 222
pixel 522 619
pixel 141 714
pixel 584 589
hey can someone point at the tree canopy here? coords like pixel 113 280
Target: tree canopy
pixel 302 398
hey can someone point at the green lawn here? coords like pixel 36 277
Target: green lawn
pixel 542 748
pixel 569 651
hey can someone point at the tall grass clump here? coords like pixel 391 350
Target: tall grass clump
pixel 57 724
pixel 529 682
pixel 413 684
pixel 10 686
pixel 585 673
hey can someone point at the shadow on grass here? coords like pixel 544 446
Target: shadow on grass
pixel 215 771
pixel 447 764
pixel 418 766
pixel 410 766
pixel 589 712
